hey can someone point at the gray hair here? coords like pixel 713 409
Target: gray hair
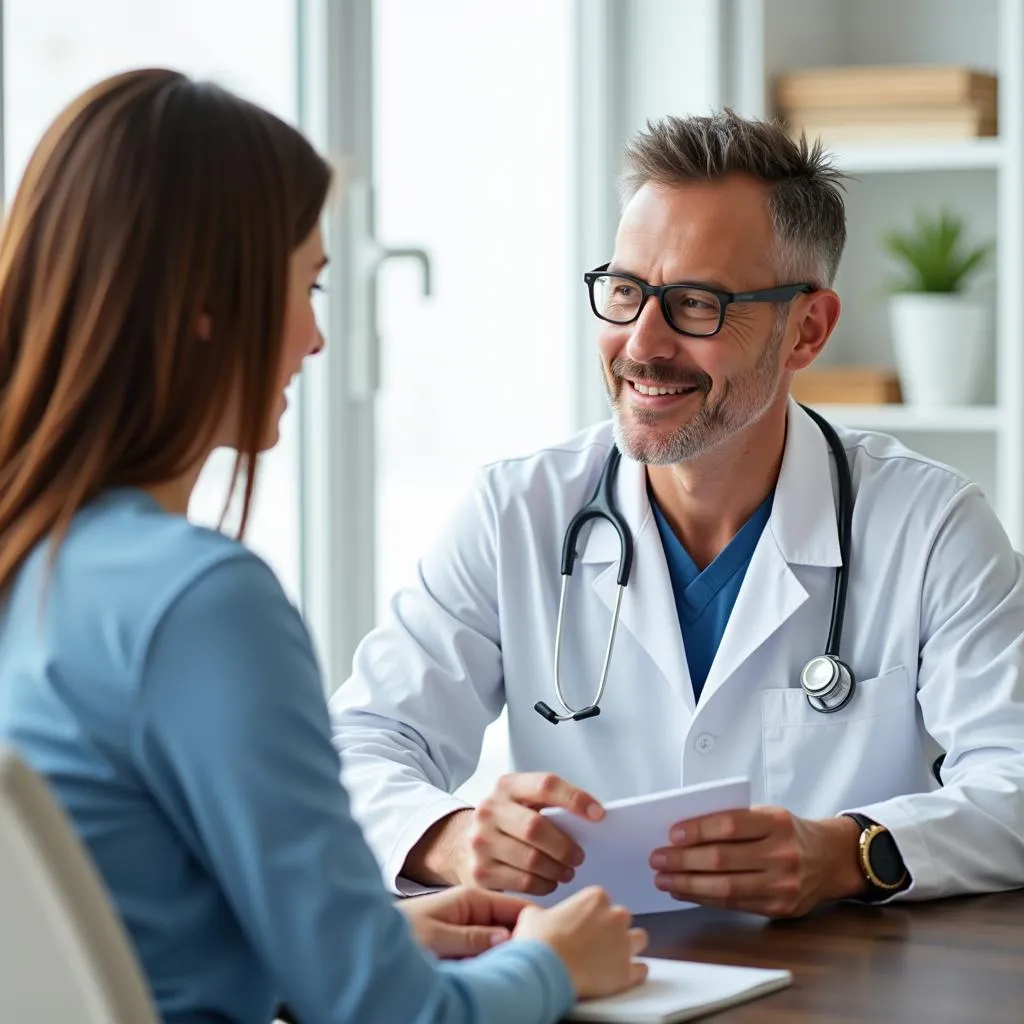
pixel 805 202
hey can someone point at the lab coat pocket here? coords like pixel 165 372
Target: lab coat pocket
pixel 816 764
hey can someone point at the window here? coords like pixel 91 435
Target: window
pixel 473 164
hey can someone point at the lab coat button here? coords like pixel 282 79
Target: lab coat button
pixel 705 741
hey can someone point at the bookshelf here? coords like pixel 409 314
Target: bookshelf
pixel 981 178
pixel 922 156
pixel 909 419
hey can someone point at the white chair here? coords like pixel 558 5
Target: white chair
pixel 64 955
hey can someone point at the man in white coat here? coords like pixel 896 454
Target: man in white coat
pixel 719 289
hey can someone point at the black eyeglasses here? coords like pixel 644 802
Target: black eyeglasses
pixel 696 310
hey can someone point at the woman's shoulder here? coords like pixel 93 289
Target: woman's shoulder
pixel 86 614
pixel 126 564
pixel 126 540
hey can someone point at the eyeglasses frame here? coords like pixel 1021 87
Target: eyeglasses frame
pixel 782 293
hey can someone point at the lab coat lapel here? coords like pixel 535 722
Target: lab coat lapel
pixel 801 531
pixel 648 606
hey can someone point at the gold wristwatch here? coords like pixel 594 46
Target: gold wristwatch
pixel 880 860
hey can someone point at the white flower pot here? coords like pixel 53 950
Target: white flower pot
pixel 942 346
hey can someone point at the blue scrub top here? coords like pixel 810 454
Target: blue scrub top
pixel 704 600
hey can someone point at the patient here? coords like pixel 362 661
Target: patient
pixel 156 274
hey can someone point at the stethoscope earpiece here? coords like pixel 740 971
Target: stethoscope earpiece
pixel 545 711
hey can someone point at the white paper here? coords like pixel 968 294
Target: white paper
pixel 677 990
pixel 618 848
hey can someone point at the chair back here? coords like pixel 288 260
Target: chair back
pixel 64 954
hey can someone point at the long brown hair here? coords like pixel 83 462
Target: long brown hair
pixel 153 203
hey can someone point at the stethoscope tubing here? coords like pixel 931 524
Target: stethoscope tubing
pixel 602 506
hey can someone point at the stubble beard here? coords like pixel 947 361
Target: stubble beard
pixel 741 402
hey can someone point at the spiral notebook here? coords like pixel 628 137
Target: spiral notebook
pixel 678 990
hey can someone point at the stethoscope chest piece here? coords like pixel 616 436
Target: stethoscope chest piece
pixel 827 683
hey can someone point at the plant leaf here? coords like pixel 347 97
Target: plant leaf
pixel 931 254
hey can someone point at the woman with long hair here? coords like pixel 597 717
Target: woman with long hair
pixel 156 273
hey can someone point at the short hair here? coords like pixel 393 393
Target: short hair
pixel 805 201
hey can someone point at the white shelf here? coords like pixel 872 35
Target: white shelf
pixel 901 418
pixel 883 157
pixel 980 179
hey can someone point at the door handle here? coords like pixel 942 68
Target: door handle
pixel 368 256
pixel 412 253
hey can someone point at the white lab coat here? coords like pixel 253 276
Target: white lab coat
pixel 934 633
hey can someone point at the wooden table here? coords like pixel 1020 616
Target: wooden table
pixel 956 961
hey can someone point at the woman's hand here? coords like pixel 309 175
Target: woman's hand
pixel 593 938
pixel 462 922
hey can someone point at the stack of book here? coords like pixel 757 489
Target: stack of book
pixel 902 103
pixel 847 385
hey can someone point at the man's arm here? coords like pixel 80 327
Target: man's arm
pixel 965 837
pixel 409 724
pixel 434 860
pixel 969 835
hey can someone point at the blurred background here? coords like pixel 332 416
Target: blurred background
pixel 479 145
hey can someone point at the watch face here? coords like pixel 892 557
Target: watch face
pixel 885 859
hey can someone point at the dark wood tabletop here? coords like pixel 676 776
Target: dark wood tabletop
pixel 955 961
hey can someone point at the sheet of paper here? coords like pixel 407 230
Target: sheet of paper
pixel 618 848
pixel 677 990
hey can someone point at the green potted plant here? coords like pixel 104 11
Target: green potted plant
pixel 941 337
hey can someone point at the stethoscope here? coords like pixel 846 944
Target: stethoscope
pixel 827 681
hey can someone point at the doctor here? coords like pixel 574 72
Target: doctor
pixel 718 291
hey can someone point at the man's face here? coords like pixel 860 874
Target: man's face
pixel 714 233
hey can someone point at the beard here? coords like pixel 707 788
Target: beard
pixel 742 401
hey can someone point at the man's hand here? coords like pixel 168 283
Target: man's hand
pixel 462 922
pixel 763 860
pixel 505 843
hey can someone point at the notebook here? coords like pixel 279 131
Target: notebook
pixel 678 990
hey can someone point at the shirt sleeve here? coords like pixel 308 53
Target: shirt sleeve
pixel 968 836
pixel 425 684
pixel 232 736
